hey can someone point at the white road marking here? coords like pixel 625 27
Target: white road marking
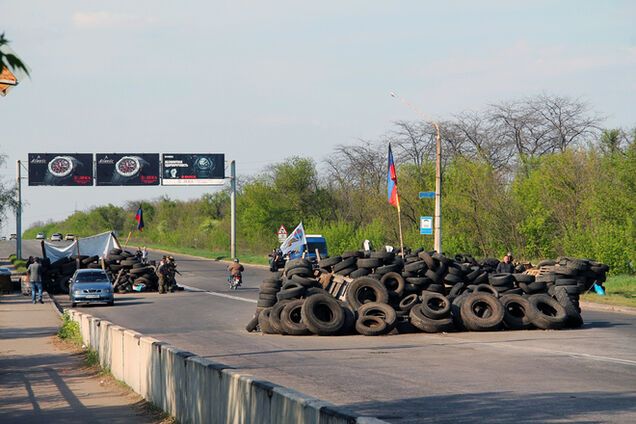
pixel 213 293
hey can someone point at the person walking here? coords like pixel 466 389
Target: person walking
pixel 506 266
pixel 35 278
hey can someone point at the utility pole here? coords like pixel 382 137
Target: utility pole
pixel 233 209
pixel 437 244
pixel 18 211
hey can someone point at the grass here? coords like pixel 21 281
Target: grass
pixel 247 258
pixel 70 331
pixel 19 264
pixel 620 290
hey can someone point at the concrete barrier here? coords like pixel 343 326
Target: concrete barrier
pixel 196 390
pixel 132 356
pixel 104 345
pixel 173 367
pixel 117 351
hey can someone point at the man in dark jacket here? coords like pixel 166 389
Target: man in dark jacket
pixel 506 266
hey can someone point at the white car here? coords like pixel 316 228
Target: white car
pixel 40 236
pixel 56 237
pixel 70 237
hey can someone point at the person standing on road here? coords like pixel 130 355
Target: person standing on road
pixel 506 266
pixel 35 277
pixel 164 274
pixel 144 255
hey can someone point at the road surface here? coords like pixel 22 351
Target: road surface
pixel 584 375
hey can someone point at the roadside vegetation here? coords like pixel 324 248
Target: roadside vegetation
pixel 19 264
pixel 536 177
pixel 619 290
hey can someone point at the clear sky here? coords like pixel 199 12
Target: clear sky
pixel 264 80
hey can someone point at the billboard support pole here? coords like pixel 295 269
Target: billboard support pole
pixel 233 209
pixel 18 211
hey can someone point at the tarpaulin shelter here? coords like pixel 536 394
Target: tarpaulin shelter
pixel 97 245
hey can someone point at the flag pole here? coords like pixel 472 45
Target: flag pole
pixel 127 238
pixel 400 226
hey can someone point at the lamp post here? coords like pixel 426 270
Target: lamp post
pixel 437 237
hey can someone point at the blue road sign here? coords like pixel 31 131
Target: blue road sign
pixel 427 194
pixel 426 225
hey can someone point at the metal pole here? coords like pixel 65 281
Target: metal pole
pixel 18 212
pixel 233 209
pixel 438 191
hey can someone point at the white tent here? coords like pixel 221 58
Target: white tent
pixel 99 245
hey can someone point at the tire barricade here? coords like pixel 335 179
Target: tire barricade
pixel 196 390
pixel 377 293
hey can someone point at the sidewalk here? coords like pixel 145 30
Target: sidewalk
pixel 43 381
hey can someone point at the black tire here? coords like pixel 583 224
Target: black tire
pixel 456 290
pixel 322 315
pixel 329 262
pixel 345 263
pixel 352 254
pixel 428 259
pixel 253 324
pixel 415 267
pixel 304 281
pixel 433 276
pixel 370 326
pixel 537 286
pixel 264 322
pixel 518 314
pixel 545 278
pixel 481 278
pixel 485 288
pixel 548 313
pixel 453 278
pixel 90 259
pixel 369 262
pixel 290 319
pixel 365 289
pixel 346 271
pixel 315 290
pixel 262 303
pixel 408 302
pixel 424 323
pixel 297 263
pixel 360 272
pixel 482 312
pixel 290 293
pixel 305 272
pixel 349 325
pixel 394 283
pixel 435 305
pixel 501 279
pixel 436 288
pixel 115 251
pixel 524 278
pixel 115 257
pixel 274 317
pixel 456 310
pixel 566 282
pixel 564 270
pixel 574 319
pixel 388 268
pixel 382 310
pixel 418 281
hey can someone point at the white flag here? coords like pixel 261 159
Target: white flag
pixel 295 241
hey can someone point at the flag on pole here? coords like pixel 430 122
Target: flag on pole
pixel 140 219
pixel 295 241
pixel 391 180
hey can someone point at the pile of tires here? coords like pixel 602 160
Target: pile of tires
pixel 124 269
pixel 377 293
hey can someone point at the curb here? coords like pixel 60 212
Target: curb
pixel 207 259
pixel 55 305
pixel 607 308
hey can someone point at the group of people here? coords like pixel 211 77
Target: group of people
pixel 142 254
pixel 166 271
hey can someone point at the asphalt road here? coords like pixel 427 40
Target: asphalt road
pixel 584 375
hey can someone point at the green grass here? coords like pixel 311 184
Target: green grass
pixel 620 291
pixel 247 258
pixel 70 331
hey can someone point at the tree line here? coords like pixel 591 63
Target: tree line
pixel 538 176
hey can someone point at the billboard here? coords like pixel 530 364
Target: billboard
pixel 60 169
pixel 127 169
pixel 193 169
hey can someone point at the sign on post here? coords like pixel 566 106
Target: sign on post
pixel 60 169
pixel 427 194
pixel 282 233
pixel 193 169
pixel 127 169
pixel 426 225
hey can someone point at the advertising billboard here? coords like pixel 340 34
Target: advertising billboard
pixel 60 169
pixel 127 169
pixel 193 169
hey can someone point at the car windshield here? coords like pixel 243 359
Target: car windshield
pixel 91 277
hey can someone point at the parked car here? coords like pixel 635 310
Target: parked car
pixel 89 286
pixel 314 241
pixel 40 236
pixel 13 236
pixel 70 237
pixel 56 237
pixel 3 238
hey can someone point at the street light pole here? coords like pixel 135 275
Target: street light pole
pixel 18 211
pixel 437 237
pixel 233 209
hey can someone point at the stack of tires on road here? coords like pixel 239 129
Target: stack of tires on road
pixel 125 271
pixel 377 293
